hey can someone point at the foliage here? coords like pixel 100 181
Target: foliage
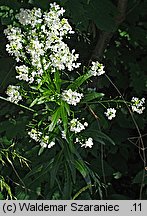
pixel 66 171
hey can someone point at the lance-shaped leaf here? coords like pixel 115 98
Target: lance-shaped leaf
pixel 91 96
pixel 79 81
pixel 64 117
pixel 55 118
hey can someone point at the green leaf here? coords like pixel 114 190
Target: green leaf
pixel 5 141
pixel 34 102
pixel 92 95
pixel 82 168
pixel 1 196
pixel 77 12
pixel 79 81
pixel 67 108
pixel 41 100
pixel 55 118
pixel 64 117
pixel 81 191
pixel 103 14
pixel 67 190
pixel 37 173
pixel 57 81
pixel 41 150
pixel 36 170
pixel 93 175
pixel 98 136
pixel 70 160
pixel 22 196
pixel 138 178
pixel 4 185
pixel 55 166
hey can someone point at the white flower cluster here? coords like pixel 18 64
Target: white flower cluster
pixel 24 74
pixel 71 97
pixel 76 126
pixel 87 143
pixel 35 135
pixel 43 140
pixel 38 41
pixel 13 94
pixel 15 46
pixel 137 105
pixel 96 69
pixel 110 113
pixel 61 57
pixel 29 17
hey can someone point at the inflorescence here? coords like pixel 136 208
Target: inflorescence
pixel 36 41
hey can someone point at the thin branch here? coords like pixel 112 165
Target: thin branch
pixel 122 6
pixel 140 140
pixel 20 105
pixel 105 37
pixel 103 40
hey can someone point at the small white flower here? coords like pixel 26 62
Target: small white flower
pixel 88 143
pixel 15 38
pixel 91 89
pixel 71 97
pixel 111 113
pixel 62 58
pixel 23 73
pixel 24 16
pixel 96 69
pixel 85 124
pixel 44 142
pixel 137 105
pixel 51 144
pixel 13 93
pixel 29 17
pixel 77 140
pixel 63 134
pixel 76 126
pixel 35 135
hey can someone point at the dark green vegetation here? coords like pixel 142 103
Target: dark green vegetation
pixel 115 32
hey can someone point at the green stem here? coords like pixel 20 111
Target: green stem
pixel 107 101
pixel 20 105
